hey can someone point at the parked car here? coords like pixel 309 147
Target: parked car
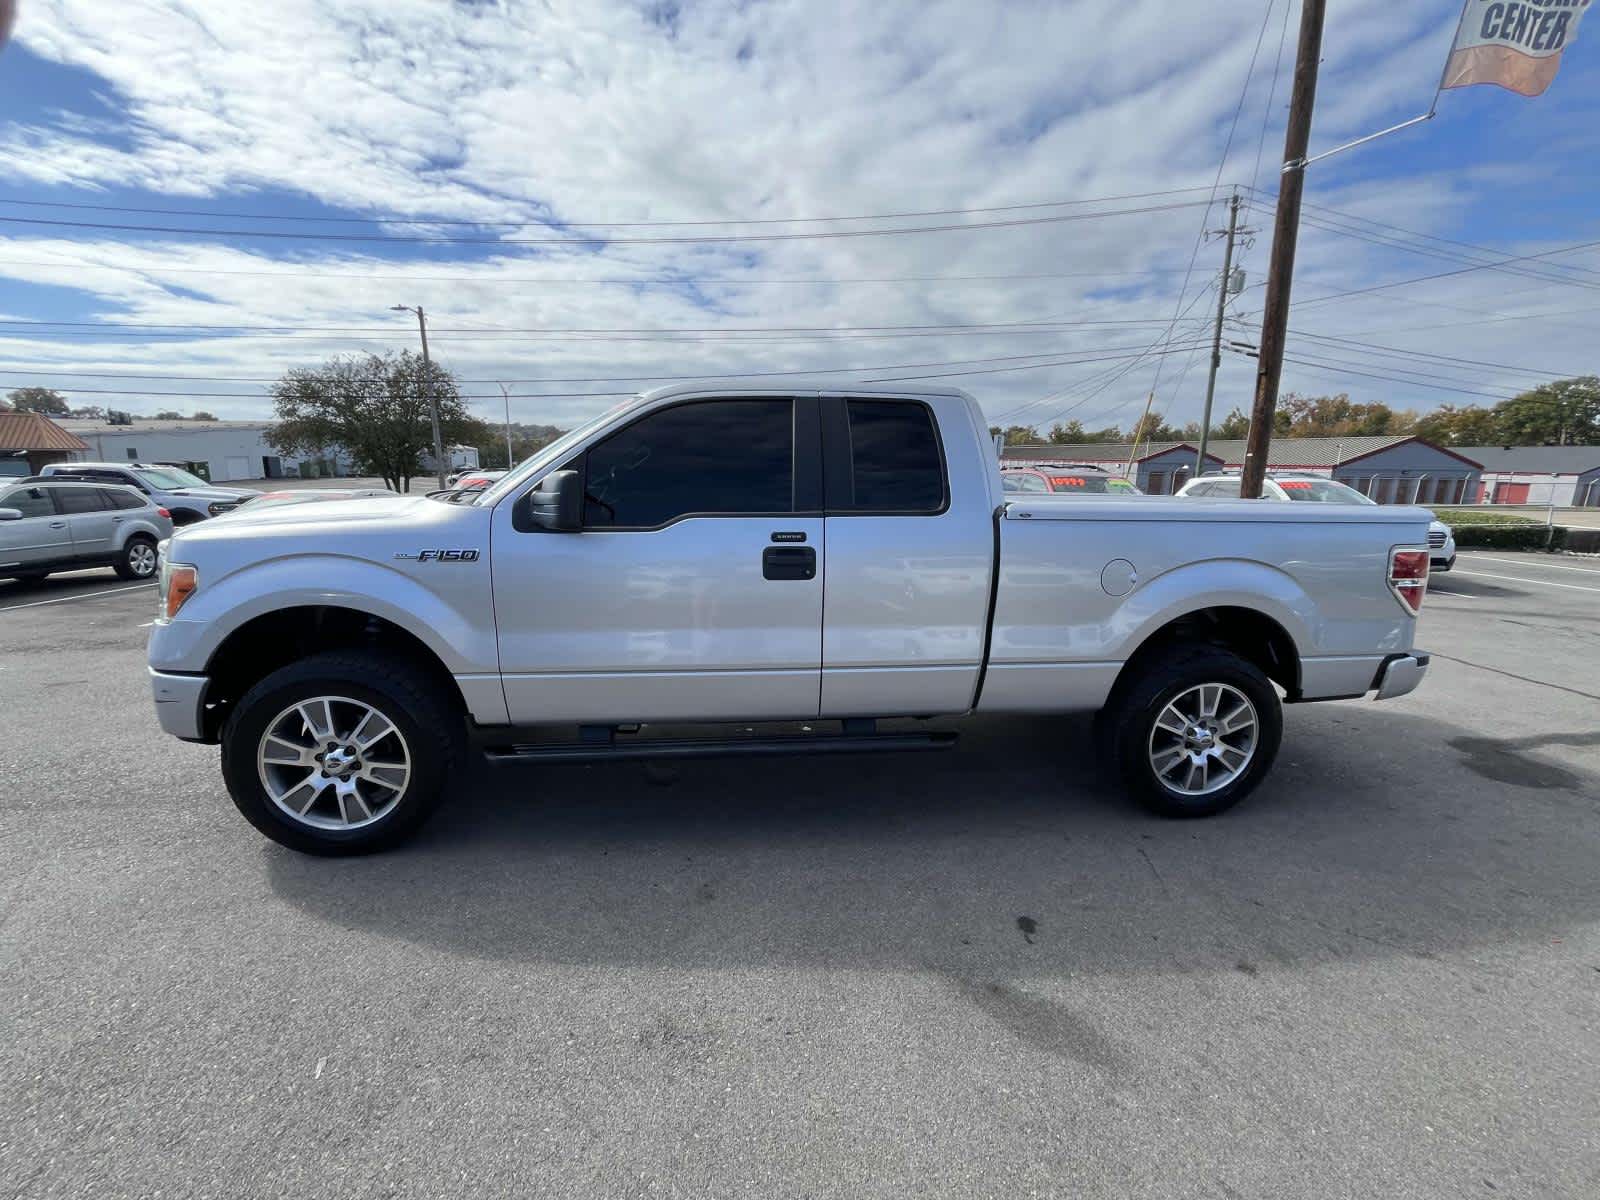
pixel 305 496
pixel 1072 479
pixel 731 553
pixel 455 478
pixel 1308 488
pixel 49 525
pixel 187 497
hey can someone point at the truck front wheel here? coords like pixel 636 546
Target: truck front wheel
pixel 340 753
pixel 1195 731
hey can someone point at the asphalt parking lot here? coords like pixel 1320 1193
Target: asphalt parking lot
pixel 975 974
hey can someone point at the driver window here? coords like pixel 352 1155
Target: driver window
pixel 709 456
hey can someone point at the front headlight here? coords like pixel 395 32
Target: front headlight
pixel 175 583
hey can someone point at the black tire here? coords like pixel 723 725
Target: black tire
pixel 138 558
pixel 1129 723
pixel 431 723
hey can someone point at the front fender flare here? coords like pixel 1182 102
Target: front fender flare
pixel 463 641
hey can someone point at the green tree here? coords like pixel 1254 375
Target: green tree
pixel 1563 413
pixel 1234 426
pixel 168 414
pixel 376 409
pixel 201 414
pixel 1070 434
pixel 40 400
pixel 1017 435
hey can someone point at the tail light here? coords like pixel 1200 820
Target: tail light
pixel 164 513
pixel 1408 577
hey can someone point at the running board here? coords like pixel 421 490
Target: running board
pixel 599 751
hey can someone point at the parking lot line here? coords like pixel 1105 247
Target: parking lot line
pixel 1525 562
pixel 132 587
pixel 1571 587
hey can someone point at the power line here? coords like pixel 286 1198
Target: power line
pixel 1227 148
pixel 1092 357
pixel 705 239
pixel 799 371
pixel 676 281
pixel 1447 274
pixel 1397 351
pixel 684 329
pixel 1360 219
pixel 1341 368
pixel 1379 239
pixel 558 222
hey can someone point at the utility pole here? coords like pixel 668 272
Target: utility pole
pixel 1216 336
pixel 507 395
pixel 1138 436
pixel 427 382
pixel 1285 231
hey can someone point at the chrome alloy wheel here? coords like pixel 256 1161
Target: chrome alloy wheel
pixel 1204 739
pixel 331 762
pixel 142 559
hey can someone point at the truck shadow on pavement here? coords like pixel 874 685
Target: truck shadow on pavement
pixel 1015 855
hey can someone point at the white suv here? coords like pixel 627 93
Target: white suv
pixel 1309 488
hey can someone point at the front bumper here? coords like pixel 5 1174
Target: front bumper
pixel 1400 675
pixel 180 703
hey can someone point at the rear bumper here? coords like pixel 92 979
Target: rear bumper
pixel 1400 675
pixel 180 701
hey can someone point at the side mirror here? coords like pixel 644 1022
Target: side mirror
pixel 558 504
pixel 10 514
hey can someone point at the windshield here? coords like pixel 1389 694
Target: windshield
pixel 168 478
pixel 1097 485
pixel 553 453
pixel 1321 491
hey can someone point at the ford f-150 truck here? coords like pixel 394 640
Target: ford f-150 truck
pixel 745 553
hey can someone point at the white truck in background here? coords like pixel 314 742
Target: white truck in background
pixel 739 552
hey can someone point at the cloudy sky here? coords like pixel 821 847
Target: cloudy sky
pixel 588 195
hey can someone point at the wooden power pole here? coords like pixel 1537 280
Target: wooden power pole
pixel 1216 336
pixel 1285 231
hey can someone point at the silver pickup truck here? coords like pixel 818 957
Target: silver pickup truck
pixel 745 553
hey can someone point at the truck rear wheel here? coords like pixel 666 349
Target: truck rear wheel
pixel 340 753
pixel 1194 732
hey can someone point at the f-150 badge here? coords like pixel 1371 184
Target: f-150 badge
pixel 441 556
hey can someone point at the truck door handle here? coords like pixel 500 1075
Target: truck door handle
pixel 58 524
pixel 789 562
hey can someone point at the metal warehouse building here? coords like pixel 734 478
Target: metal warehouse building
pixel 1391 470
pixel 1566 476
pixel 217 450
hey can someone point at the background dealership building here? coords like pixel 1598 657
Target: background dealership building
pixel 1391 470
pixel 221 451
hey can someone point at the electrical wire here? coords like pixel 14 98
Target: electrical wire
pixel 559 222
pixel 699 239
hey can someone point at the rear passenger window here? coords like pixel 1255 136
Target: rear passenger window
pixel 80 499
pixel 895 465
pixel 30 502
pixel 118 498
pixel 714 456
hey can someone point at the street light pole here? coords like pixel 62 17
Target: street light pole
pixel 507 395
pixel 427 383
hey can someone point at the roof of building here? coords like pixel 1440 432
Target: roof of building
pixel 1313 452
pixel 1538 460
pixel 81 425
pixel 33 431
pixel 1095 452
